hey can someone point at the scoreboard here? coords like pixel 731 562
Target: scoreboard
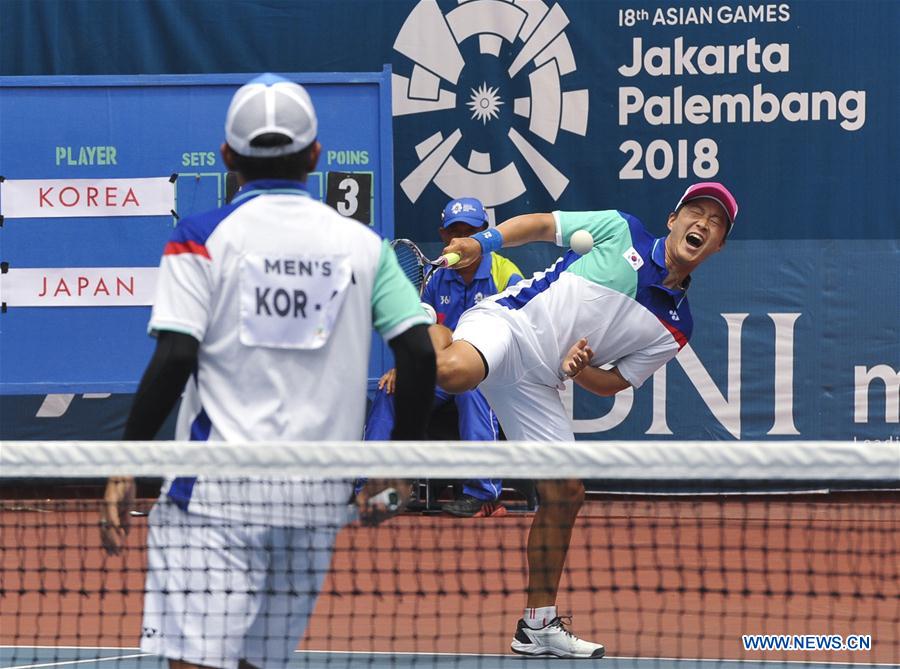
pixel 94 174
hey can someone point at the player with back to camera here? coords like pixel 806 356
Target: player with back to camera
pixel 622 303
pixel 235 565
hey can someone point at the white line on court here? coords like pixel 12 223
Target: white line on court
pixel 751 661
pixel 63 663
pixel 55 647
pixel 642 658
pixel 433 654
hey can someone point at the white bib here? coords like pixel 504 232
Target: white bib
pixel 291 302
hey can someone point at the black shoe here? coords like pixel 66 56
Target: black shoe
pixel 465 506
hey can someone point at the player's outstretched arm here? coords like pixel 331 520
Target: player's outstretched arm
pixel 526 228
pixel 514 231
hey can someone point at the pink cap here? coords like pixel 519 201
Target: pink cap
pixel 714 191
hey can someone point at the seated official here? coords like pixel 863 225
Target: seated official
pixel 450 292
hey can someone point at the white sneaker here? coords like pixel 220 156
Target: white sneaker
pixel 554 640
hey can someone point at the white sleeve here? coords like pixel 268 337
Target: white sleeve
pixel 183 294
pixel 637 367
pixel 559 233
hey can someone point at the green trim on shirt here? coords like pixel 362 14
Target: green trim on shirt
pixel 606 264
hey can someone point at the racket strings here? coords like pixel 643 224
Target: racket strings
pixel 411 265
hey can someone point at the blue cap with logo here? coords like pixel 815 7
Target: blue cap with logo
pixel 466 210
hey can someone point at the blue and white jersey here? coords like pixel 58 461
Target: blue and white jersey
pixel 282 293
pixel 613 295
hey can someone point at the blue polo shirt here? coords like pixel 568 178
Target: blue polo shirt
pixel 450 296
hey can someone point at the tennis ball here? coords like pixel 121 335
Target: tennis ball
pixel 581 242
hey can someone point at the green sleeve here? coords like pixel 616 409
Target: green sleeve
pixel 605 265
pixel 395 302
pixel 603 225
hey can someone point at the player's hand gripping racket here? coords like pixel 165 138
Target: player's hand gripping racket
pixel 416 265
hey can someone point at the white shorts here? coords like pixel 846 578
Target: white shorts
pixel 219 592
pixel 521 389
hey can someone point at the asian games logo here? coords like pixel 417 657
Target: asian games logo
pixel 513 66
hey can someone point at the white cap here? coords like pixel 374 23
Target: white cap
pixel 270 106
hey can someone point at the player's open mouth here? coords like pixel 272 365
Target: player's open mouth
pixel 694 239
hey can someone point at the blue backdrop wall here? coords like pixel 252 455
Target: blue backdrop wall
pixel 582 104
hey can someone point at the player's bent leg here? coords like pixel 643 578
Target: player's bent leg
pixel 460 367
pixel 441 337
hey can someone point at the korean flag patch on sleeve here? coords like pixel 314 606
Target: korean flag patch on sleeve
pixel 634 258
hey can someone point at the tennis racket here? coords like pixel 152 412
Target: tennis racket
pixel 416 265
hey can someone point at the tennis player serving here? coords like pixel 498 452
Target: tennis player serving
pixel 623 303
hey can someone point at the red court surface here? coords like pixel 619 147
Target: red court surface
pixel 648 578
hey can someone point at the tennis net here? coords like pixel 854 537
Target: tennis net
pixel 761 552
